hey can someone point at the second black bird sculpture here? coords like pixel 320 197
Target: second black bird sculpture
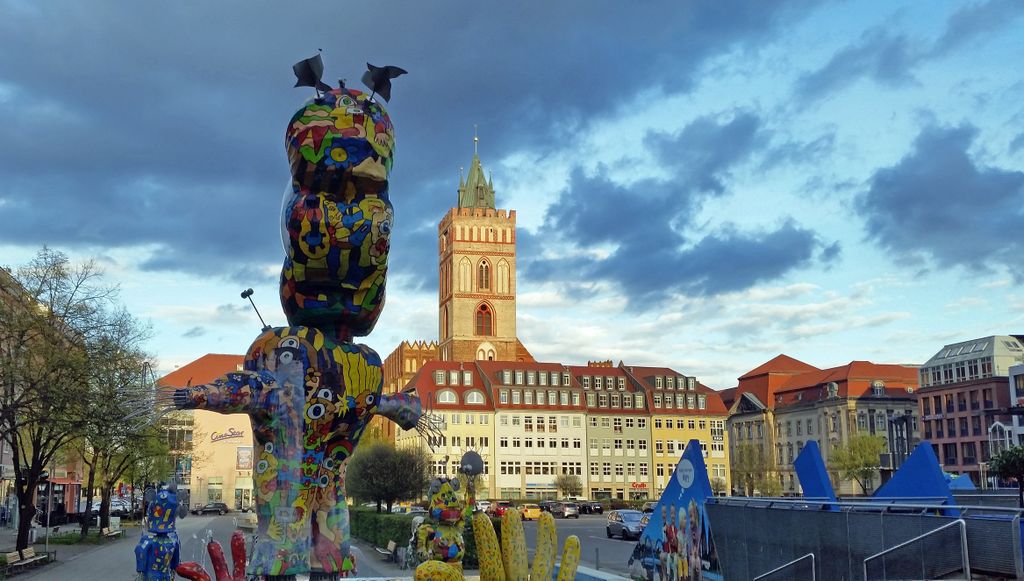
pixel 378 79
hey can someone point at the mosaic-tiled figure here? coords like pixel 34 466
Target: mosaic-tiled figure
pixel 309 390
pixel 439 538
pixel 156 554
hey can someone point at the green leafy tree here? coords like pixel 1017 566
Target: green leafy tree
pixel 1009 465
pixel 54 317
pixel 379 473
pixel 752 471
pixel 858 460
pixel 569 485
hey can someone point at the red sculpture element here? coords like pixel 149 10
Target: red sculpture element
pixel 195 572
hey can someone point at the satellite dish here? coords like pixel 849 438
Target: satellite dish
pixel 471 464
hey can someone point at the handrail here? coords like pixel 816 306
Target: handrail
pixel 965 558
pixel 793 562
pixel 864 504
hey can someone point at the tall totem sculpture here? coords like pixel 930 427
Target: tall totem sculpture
pixel 308 388
pixel 156 554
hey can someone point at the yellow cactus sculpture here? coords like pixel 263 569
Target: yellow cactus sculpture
pixel 508 562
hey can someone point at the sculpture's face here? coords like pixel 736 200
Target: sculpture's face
pixel 445 505
pixel 337 215
pixel 164 509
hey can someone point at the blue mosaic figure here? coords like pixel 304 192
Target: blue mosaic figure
pixel 156 555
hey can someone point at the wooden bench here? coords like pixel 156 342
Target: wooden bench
pixel 107 533
pixel 20 560
pixel 390 553
pixel 30 558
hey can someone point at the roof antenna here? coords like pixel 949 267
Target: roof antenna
pixel 247 294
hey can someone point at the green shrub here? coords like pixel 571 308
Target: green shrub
pixel 379 528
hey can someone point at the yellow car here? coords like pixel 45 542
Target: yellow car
pixel 530 511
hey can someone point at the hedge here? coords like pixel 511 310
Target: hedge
pixel 380 528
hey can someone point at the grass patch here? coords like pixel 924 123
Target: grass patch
pixel 72 537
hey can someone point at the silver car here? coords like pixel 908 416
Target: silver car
pixel 625 523
pixel 565 510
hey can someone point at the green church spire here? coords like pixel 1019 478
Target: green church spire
pixel 477 191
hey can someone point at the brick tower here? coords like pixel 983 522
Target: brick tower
pixel 477 291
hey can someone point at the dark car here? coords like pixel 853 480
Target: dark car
pixel 591 507
pixel 217 507
pixel 565 510
pixel 625 523
pixel 545 505
pixel 649 506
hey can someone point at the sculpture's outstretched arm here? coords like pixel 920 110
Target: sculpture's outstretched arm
pixel 406 410
pixel 236 392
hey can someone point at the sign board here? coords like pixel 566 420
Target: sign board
pixel 677 542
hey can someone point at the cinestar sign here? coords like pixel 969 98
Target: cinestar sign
pixel 231 433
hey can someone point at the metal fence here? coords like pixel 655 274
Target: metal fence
pixel 797 569
pixel 755 535
pixel 911 559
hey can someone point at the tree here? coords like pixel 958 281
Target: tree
pixel 53 316
pixel 752 471
pixel 858 460
pixel 1009 465
pixel 718 485
pixel 379 473
pixel 569 484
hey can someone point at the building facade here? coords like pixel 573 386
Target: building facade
pixel 964 401
pixel 220 466
pixel 1012 435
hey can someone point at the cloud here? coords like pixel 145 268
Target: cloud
pixel 937 202
pixel 641 238
pixel 194 333
pixel 173 141
pixel 1017 143
pixel 889 58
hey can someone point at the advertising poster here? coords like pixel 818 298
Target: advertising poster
pixel 676 544
pixel 244 458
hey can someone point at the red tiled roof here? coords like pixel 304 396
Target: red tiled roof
pixel 423 383
pixel 202 370
pixel 779 364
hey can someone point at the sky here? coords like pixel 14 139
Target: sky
pixel 698 184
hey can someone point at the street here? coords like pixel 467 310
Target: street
pixel 597 550
pixel 115 561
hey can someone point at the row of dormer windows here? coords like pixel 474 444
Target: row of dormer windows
pixel 538 397
pixel 521 377
pixel 453 377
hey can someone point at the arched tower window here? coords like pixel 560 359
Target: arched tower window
pixel 484 320
pixel 483 275
pixel 444 322
pixel 465 275
pixel 502 281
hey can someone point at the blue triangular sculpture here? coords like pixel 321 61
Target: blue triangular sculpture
pixel 920 476
pixel 810 470
pixel 962 482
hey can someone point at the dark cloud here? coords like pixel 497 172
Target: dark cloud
pixel 1017 143
pixel 889 58
pixel 194 333
pixel 162 126
pixel 642 238
pixel 797 152
pixel 938 202
pixel 878 54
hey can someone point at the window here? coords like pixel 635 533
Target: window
pixel 519 377
pixel 690 401
pixel 541 400
pixel 617 425
pixel 643 469
pixel 630 444
pixel 602 400
pixel 447 396
pixel 528 397
pixel 621 383
pixel 702 402
pixel 606 422
pixel 439 377
pixel 503 442
pixel 467 378
pixel 565 443
pixel 517 442
pixel 531 378
pixel 586 382
pixel 630 468
pixel 606 445
pixel 483 275
pixel 475 398
pixel 598 382
pixel 577 443
pixel 577 422
pixel 657 423
pixel 515 397
pixel 595 469
pixel 593 443
pixel 641 445
pixel 484 420
pixel 618 443
pixel 566 378
pixel 542 378
pixel 641 423
pixel 630 422
pixel 618 469
pixel 659 447
pixel 627 402
pixel 575 399
pixel 658 382
pixel 591 400
pixel 503 421
pixel 516 421
pixel 592 420
pixel 638 401
pixel 563 398
pixel 606 469
pixel 484 320
pixel 506 377
pixel 615 400
pixel 528 424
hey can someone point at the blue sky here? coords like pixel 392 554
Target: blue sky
pixel 701 185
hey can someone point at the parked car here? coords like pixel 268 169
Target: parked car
pixel 565 510
pixel 483 505
pixel 545 505
pixel 624 523
pixel 499 507
pixel 530 511
pixel 649 506
pixel 217 507
pixel 590 507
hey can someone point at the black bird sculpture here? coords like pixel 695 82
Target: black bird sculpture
pixel 378 79
pixel 308 73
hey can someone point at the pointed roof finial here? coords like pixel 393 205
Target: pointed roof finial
pixel 476 140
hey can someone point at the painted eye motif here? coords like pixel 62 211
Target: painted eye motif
pixel 289 343
pixel 286 358
pixel 268 448
pixel 163 495
pixel 262 466
pixel 316 411
pixel 325 394
pixel 324 480
pixel 329 464
pixel 370 400
pixel 385 226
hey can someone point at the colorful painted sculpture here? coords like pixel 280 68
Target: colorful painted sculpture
pixel 439 540
pixel 309 390
pixel 508 562
pixel 156 555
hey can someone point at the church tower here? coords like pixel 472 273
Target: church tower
pixel 477 291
